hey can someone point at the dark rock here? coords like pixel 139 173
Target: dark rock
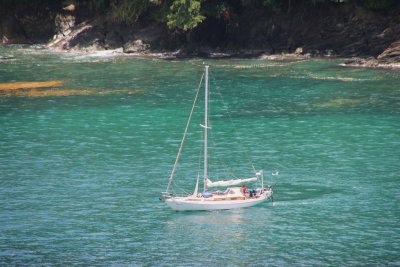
pixel 11 30
pixel 70 7
pixel 65 41
pixel 219 55
pixel 371 63
pixel 391 54
pixel 180 53
pixel 155 35
pixel 91 39
pixel 361 62
pixel 64 23
pixel 137 46
pixel 113 40
pixel 285 57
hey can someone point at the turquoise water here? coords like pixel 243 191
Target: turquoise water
pixel 80 175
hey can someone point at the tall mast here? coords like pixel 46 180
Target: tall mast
pixel 205 128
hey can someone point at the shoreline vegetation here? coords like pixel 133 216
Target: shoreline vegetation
pixel 365 33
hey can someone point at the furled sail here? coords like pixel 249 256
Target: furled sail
pixel 229 182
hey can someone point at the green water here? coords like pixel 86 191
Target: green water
pixel 80 175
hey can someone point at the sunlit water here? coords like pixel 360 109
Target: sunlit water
pixel 80 175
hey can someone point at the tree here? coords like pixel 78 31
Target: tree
pixel 128 11
pixel 378 4
pixel 185 14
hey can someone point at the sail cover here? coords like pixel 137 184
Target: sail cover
pixel 229 182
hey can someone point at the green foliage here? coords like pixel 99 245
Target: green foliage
pixel 97 6
pixel 7 4
pixel 181 14
pixel 378 5
pixel 128 11
pixel 33 4
pixel 215 10
pixel 261 3
pixel 184 15
pixel 158 11
pixel 315 2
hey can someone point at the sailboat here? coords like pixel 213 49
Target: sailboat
pixel 232 197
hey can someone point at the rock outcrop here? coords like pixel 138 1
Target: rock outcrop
pixel 389 59
pixel 11 31
pixel 64 39
pixel 136 46
pixel 391 54
pixel 328 29
pixel 100 34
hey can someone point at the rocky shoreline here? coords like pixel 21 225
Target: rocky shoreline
pixel 388 59
pixel 369 39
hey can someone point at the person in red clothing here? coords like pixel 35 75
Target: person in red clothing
pixel 244 189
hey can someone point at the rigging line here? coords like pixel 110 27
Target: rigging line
pixel 214 146
pixel 181 190
pixel 200 153
pixel 184 135
pixel 234 126
pixel 199 164
pixel 227 173
pixel 178 188
pixel 226 170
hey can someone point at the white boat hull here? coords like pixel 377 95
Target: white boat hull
pixel 188 204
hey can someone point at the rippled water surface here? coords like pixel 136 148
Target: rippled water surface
pixel 81 173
